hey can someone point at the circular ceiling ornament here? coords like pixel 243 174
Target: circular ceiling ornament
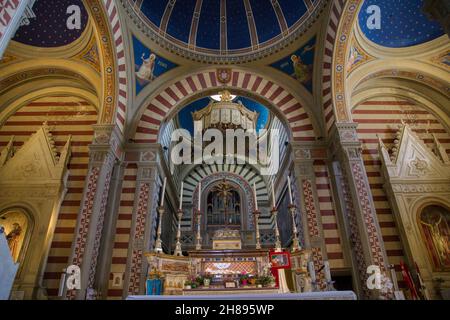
pixel 224 31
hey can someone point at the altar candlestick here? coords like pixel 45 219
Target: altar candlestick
pixel 199 195
pixel 256 198
pixel 290 191
pixel 163 192
pixel 327 271
pixel 312 271
pixel 273 195
pixel 181 195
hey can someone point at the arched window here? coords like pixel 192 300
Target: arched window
pixel 16 226
pixel 435 221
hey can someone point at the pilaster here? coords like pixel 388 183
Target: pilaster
pixel 314 236
pixel 104 151
pixel 356 203
pixel 144 216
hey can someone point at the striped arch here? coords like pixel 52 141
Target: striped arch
pixel 106 19
pixel 337 8
pixel 162 105
pixel 122 95
pixel 339 101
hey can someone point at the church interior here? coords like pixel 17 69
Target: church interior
pixel 348 102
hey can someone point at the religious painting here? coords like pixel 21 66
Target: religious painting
pixel 300 64
pixel 280 260
pixel 148 65
pixel 355 57
pixel 435 221
pixel 15 226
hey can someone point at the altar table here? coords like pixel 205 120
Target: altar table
pixel 234 291
pixel 327 295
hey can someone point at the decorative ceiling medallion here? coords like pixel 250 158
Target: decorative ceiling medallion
pixel 223 75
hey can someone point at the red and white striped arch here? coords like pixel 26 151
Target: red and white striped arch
pixel 122 95
pixel 177 93
pixel 335 15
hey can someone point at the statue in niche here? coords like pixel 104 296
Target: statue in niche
pixel 13 239
pixel 145 72
pixel 435 225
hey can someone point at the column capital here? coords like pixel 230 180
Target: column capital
pixel 108 137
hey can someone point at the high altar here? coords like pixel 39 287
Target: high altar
pixel 229 255
pixel 225 264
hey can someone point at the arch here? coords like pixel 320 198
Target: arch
pixel 161 106
pixel 21 100
pixel 338 102
pixel 336 10
pixel 107 25
pixel 434 78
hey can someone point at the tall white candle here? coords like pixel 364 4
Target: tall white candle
pixel 256 198
pixel 327 271
pixel 273 195
pixel 312 272
pixel 181 195
pixel 163 192
pixel 199 194
pixel 290 191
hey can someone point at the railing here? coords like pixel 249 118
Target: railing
pixel 8 268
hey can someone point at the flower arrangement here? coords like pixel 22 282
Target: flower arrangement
pixel 244 278
pixel 265 280
pixel 155 274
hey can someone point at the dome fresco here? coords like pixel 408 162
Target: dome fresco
pixel 403 24
pixel 225 26
pixel 53 24
pixel 186 121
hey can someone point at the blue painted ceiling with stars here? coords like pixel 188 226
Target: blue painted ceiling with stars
pixel 49 26
pixel 403 24
pixel 225 25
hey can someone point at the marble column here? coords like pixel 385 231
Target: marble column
pixel 104 151
pixel 357 206
pixel 143 221
pixel 109 230
pixel 312 221
pixel 14 14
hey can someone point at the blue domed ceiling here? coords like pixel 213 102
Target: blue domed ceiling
pixel 53 23
pixel 403 24
pixel 225 26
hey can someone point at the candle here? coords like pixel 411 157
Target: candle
pixel 181 195
pixel 273 195
pixel 290 191
pixel 163 192
pixel 199 194
pixel 256 198
pixel 312 272
pixel 62 283
pixel 327 271
pixel 394 279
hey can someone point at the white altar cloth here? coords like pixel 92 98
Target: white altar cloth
pixel 325 295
